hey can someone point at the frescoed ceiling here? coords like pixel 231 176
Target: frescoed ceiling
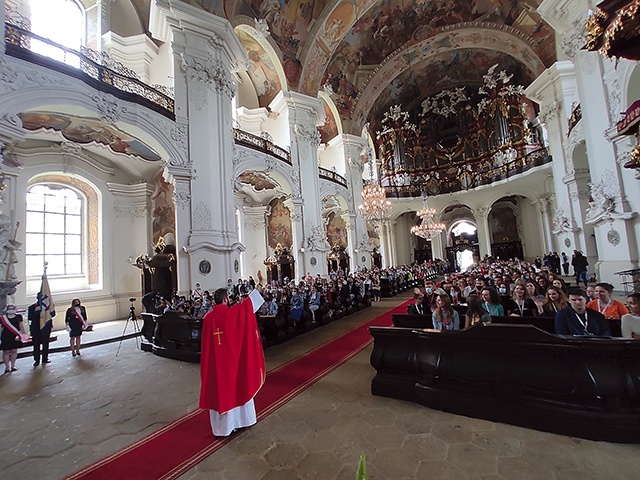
pixel 362 52
pixel 441 72
pixel 359 50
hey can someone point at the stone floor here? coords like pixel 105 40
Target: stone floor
pixel 57 419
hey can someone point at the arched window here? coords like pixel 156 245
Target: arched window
pixel 62 22
pixel 56 219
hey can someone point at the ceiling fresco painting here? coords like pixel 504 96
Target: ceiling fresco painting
pixel 353 49
pixel 258 180
pixel 261 69
pixel 476 38
pixel 330 128
pixel 88 130
pixel 211 6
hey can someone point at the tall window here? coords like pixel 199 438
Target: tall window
pixel 54 230
pixel 62 22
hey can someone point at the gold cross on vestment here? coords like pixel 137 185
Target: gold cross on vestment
pixel 218 333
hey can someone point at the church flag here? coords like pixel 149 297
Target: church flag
pixel 45 302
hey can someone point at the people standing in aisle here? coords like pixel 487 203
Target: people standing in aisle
pixel 76 321
pixel 580 264
pixel 565 263
pixel 11 337
pixel 40 327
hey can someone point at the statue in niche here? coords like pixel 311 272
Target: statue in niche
pixel 9 245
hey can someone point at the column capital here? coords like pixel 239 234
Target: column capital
pixel 196 31
pixel 303 110
pixel 481 212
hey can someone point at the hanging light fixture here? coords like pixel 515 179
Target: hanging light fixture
pixel 374 207
pixel 428 227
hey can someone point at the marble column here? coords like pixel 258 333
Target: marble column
pixel 298 249
pixel 481 215
pixel 303 114
pixel 544 224
pixel 391 229
pixel 355 158
pixel 609 216
pixel 206 51
pixel 132 214
pixel 556 90
pixel 385 247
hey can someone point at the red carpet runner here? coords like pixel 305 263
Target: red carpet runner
pixel 169 452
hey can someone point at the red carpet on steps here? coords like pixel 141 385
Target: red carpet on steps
pixel 177 447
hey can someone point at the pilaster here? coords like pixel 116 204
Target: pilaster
pixel 556 91
pixel 355 158
pixel 303 114
pixel 206 52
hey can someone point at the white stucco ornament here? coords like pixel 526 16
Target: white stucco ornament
pixel 602 203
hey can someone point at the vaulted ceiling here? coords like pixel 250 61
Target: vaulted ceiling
pixel 368 55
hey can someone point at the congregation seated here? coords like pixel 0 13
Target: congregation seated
pixel 520 304
pixel 554 301
pixel 475 313
pixel 579 320
pixel 444 317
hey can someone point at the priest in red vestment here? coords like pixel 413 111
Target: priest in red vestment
pixel 232 367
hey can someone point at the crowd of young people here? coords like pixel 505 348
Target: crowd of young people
pixel 518 288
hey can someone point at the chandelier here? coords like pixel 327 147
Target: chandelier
pixel 375 207
pixel 428 227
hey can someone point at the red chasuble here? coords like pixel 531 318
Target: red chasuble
pixel 232 367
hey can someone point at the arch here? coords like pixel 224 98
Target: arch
pixel 167 138
pixel 246 159
pixel 264 66
pixel 473 35
pixel 93 198
pixel 331 115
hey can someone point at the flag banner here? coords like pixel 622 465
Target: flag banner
pixel 45 302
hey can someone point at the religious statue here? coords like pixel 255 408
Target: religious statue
pixel 561 222
pixel 9 245
pixel 318 239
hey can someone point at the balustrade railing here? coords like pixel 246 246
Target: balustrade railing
pixel 440 180
pixel 261 144
pixel 332 176
pixel 22 43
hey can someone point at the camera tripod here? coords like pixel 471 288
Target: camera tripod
pixel 136 328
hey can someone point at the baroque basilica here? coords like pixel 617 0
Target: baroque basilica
pixel 232 136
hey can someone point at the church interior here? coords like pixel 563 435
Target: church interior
pixel 223 139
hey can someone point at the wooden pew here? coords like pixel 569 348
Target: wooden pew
pixel 579 386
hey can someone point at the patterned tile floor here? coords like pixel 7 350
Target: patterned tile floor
pixel 57 419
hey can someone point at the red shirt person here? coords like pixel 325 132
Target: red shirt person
pixel 232 366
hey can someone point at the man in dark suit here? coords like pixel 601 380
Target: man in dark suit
pixel 577 319
pixel 417 308
pixel 39 333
